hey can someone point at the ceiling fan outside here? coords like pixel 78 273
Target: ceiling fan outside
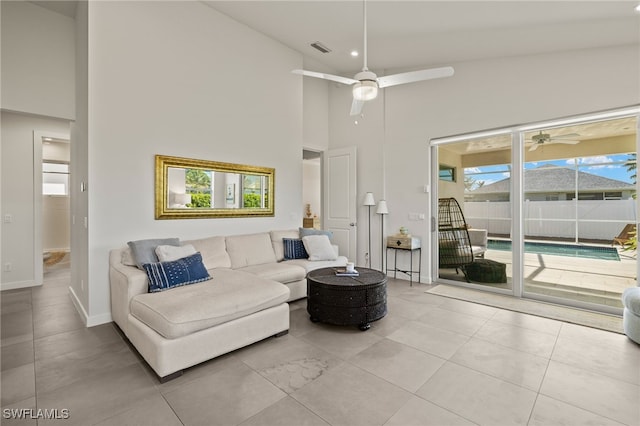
pixel 545 138
pixel 366 83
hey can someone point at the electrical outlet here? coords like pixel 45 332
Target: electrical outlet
pixel 7 267
pixel 8 218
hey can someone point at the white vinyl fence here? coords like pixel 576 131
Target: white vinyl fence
pixel 596 220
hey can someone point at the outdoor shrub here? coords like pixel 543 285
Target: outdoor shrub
pixel 251 200
pixel 200 200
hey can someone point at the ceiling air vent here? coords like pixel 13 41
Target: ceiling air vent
pixel 321 47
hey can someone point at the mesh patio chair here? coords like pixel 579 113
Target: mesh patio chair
pixel 454 244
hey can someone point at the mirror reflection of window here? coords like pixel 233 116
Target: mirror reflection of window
pixel 199 185
pixel 253 191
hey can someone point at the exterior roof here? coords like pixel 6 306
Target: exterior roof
pixel 550 178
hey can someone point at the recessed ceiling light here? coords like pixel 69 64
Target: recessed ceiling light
pixel 637 9
pixel 354 53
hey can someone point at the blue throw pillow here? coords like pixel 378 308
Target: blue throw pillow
pixel 294 249
pixel 167 275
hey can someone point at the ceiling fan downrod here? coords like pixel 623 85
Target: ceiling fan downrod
pixel 366 88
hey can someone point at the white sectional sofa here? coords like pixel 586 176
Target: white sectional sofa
pixel 244 301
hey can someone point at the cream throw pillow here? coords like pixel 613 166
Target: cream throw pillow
pixel 319 247
pixel 171 253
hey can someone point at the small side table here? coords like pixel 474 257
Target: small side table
pixel 410 271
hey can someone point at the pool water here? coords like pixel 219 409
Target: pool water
pixel 570 250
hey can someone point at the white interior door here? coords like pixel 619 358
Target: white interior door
pixel 340 203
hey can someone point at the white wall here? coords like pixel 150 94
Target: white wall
pixel 80 169
pixel 482 95
pixel 316 111
pixel 179 78
pixel 368 137
pixel 38 74
pixel 17 193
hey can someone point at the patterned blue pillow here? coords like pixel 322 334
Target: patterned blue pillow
pixel 294 249
pixel 166 275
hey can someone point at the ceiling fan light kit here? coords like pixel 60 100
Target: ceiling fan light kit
pixel 365 90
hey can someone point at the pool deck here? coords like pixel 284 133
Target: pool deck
pixel 576 278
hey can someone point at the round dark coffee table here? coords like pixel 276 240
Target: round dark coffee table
pixel 341 300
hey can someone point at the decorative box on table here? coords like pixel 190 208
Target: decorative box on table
pixel 403 242
pixel 311 222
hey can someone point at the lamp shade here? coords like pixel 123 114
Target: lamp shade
pixel 382 207
pixel 368 200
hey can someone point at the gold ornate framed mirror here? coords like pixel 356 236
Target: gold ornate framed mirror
pixel 188 188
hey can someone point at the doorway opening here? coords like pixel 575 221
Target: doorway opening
pixel 52 201
pixel 311 189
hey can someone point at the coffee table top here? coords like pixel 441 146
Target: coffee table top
pixel 328 276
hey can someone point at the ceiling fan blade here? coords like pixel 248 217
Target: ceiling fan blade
pixel 534 146
pixel 568 142
pixel 356 107
pixel 336 78
pixel 568 135
pixel 413 76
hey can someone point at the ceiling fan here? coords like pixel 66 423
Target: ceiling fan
pixel 545 138
pixel 366 83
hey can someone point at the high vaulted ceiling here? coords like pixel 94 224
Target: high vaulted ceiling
pixel 406 35
pixel 415 34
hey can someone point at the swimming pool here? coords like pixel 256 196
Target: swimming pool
pixel 570 250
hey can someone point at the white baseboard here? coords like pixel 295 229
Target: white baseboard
pixel 89 321
pixel 18 284
pixel 94 320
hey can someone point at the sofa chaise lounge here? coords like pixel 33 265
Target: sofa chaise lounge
pixel 244 301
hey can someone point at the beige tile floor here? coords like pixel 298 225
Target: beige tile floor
pixel 432 360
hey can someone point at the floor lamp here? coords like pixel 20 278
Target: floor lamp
pixel 369 201
pixel 382 210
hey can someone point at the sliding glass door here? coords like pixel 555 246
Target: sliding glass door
pixel 554 206
pixel 476 173
pixel 579 194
